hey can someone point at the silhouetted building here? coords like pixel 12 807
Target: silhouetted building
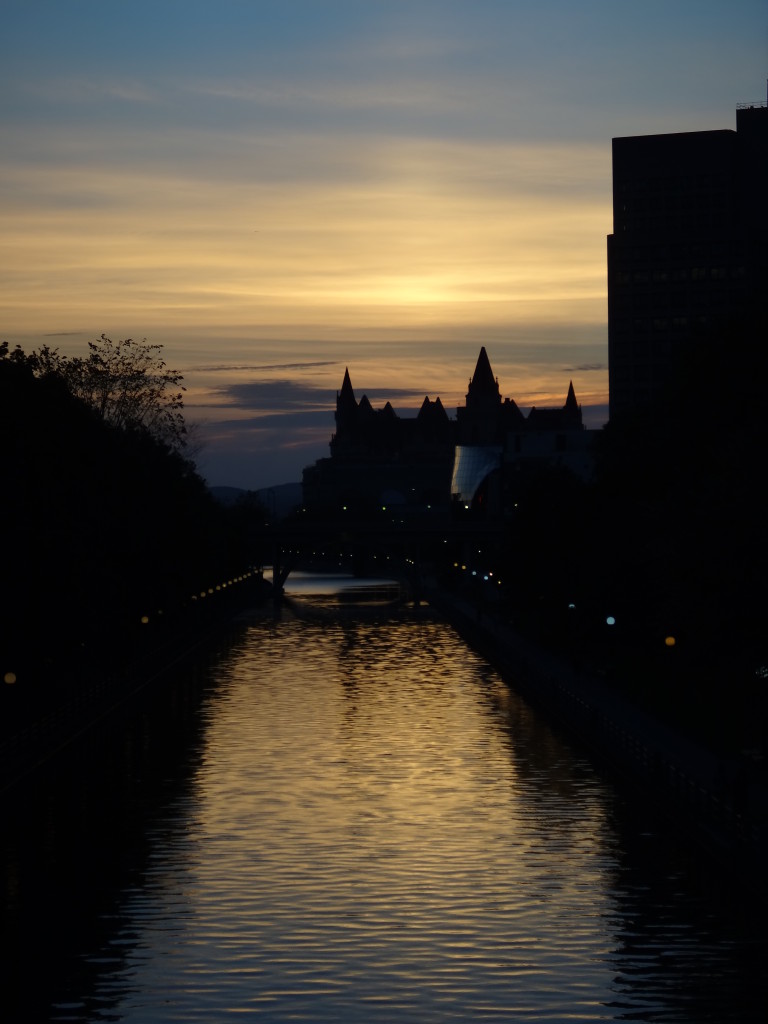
pixel 378 457
pixel 495 441
pixel 687 257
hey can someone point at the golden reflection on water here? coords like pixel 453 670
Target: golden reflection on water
pixel 364 790
pixel 378 829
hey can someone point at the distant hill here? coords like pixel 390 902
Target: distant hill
pixel 280 500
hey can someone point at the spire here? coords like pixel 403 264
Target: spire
pixel 346 407
pixel 572 409
pixel 480 418
pixel 483 378
pixel 483 388
pixel 346 395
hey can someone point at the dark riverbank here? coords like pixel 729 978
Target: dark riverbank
pixel 719 802
pixel 43 717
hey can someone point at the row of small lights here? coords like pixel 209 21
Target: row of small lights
pixel 318 554
pixel 209 592
pixel 220 586
pixel 341 556
pixel 488 577
pixel 345 508
pixel 9 678
pixel 610 620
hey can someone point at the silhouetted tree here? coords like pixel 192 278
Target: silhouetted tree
pixel 101 523
pixel 126 382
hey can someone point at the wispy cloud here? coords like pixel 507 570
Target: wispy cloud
pixel 287 395
pixel 284 422
pixel 256 368
pixel 84 89
pixel 291 396
pixel 275 191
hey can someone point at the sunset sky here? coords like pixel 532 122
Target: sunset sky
pixel 274 191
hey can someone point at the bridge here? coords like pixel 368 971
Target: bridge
pixel 396 545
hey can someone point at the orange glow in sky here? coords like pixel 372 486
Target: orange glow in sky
pixel 273 196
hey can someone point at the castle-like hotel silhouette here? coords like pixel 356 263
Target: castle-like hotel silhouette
pixel 379 458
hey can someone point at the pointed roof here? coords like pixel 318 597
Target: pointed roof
pixel 432 412
pixel 365 408
pixel 572 409
pixel 346 396
pixel 483 376
pixel 483 391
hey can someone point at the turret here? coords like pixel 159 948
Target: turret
pixel 483 392
pixel 346 406
pixel 572 409
pixel 346 416
pixel 479 419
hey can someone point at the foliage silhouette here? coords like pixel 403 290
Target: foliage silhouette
pixel 102 523
pixel 126 382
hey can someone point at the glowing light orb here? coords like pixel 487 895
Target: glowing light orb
pixel 611 620
pixel 10 678
pixel 670 641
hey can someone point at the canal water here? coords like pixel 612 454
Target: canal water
pixel 351 818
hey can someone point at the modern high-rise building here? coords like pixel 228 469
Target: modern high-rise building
pixel 687 259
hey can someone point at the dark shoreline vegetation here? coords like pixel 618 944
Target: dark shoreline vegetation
pixel 113 543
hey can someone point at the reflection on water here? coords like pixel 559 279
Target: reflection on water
pixel 340 587
pixel 364 824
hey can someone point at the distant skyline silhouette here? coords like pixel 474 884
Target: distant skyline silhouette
pixel 273 193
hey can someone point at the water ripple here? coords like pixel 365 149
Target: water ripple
pixel 377 830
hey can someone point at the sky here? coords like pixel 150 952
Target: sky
pixel 275 191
